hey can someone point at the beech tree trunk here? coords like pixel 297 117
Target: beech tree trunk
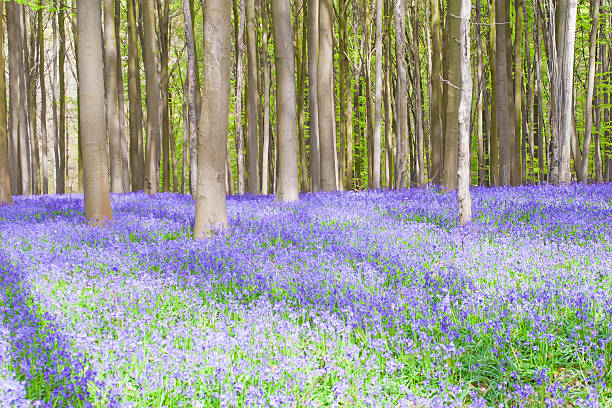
pixel 346 98
pixel 402 172
pixel 163 14
pixel 112 109
pixel 502 106
pixel 588 121
pixel 62 176
pixel 43 103
pixel 91 98
pixel 437 142
pixel 252 101
pixel 378 79
pixel 453 94
pixel 135 101
pixel 193 78
pixel 266 113
pixel 287 185
pixel 125 157
pixel 153 98
pixel 464 112
pixel 239 32
pixel 5 180
pixel 325 70
pixel 313 107
pixel 211 208
pixel 419 125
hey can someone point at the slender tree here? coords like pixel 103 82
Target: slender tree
pixel 211 208
pixel 453 93
pixel 5 181
pixel 112 107
pixel 464 114
pixel 325 71
pixel 135 101
pixel 313 48
pixel 91 98
pixel 437 146
pixel 378 78
pixel 402 172
pixel 43 102
pixel 287 185
pixel 153 97
pixel 252 101
pixel 239 16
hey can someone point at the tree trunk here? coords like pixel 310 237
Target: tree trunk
pixel 252 100
pixel 62 176
pixel 464 111
pixel 31 74
pixel 515 173
pixel 300 58
pixel 482 179
pixel 5 180
pixel 91 97
pixel 266 114
pixel 112 109
pixel 502 106
pixel 211 209
pixel 193 78
pixel 418 94
pixel 437 141
pixel 43 103
pixel 239 39
pixel 313 107
pixel 588 122
pixel 125 166
pixel 325 70
pixel 539 122
pixel 153 98
pixel 163 13
pixel 346 97
pixel 453 94
pixel 378 83
pixel 287 185
pixel 401 97
pixel 135 102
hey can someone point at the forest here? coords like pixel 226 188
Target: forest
pixel 305 203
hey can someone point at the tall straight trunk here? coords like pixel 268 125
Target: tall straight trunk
pixel 378 83
pixel 5 179
pixel 300 60
pixel 125 166
pixel 313 107
pixel 530 111
pixel 464 111
pixel 588 122
pixel 186 131
pixel 453 93
pixel 266 112
pixel 325 70
pixel 367 74
pixel 211 208
pixel 494 134
pixel 43 103
pixel 62 176
pixel 54 85
pixel 401 97
pixel 252 102
pixel 193 78
pixel 135 101
pixel 504 125
pixel 540 127
pixel 479 102
pixel 112 108
pixel 163 13
pixel 287 186
pixel 31 74
pixel 418 93
pixel 515 170
pixel 437 141
pixel 346 95
pixel 91 97
pixel 564 28
pixel 13 130
pixel 150 53
pixel 239 40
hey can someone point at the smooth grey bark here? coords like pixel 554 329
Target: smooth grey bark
pixel 437 140
pixel 62 175
pixel 5 179
pixel 43 103
pixel 324 96
pixel 239 16
pixel 418 96
pixel 91 99
pixel 125 157
pixel 502 114
pixel 287 186
pixel 135 102
pixel 401 168
pixel 193 77
pixel 378 79
pixel 211 208
pixel 588 122
pixel 252 101
pixel 313 104
pixel 266 113
pixel 464 113
pixel 112 108
pixel 150 53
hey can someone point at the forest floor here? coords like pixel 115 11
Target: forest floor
pixel 355 299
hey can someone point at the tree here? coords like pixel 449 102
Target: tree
pixel 211 207
pixel 437 152
pixel 505 127
pixel 464 114
pixel 453 94
pixel 91 99
pixel 401 173
pixel 313 48
pixel 252 100
pixel 153 97
pixel 5 181
pixel 112 108
pixel 287 184
pixel 135 102
pixel 325 71
pixel 376 142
